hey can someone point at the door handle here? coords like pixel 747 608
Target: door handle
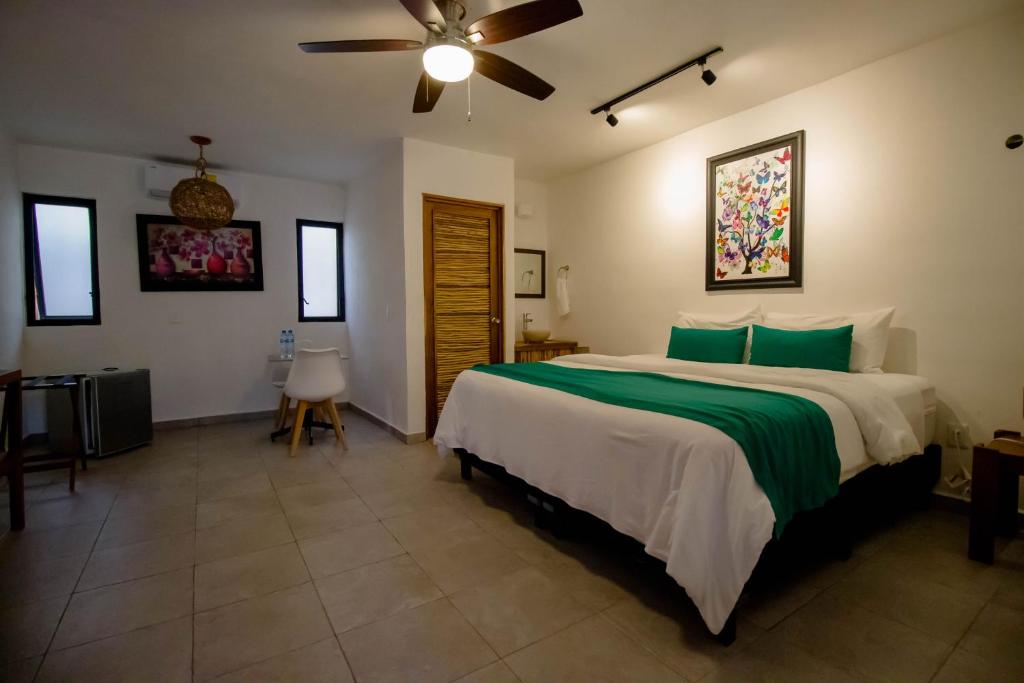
pixel 496 321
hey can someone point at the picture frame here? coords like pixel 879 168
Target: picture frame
pixel 176 258
pixel 531 273
pixel 755 203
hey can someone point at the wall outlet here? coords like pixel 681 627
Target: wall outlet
pixel 958 434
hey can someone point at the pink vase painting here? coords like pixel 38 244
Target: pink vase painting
pixel 240 265
pixel 165 265
pixel 215 264
pixel 177 258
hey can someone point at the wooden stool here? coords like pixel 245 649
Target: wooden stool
pixel 994 493
pixel 43 462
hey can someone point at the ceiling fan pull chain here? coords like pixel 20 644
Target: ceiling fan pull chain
pixel 469 98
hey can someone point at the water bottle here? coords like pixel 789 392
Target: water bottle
pixel 290 344
pixel 282 345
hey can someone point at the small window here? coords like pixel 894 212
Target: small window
pixel 321 282
pixel 62 284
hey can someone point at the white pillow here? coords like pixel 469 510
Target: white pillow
pixel 870 333
pixel 720 321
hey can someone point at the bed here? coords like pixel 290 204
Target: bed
pixel 693 501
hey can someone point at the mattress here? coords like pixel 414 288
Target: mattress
pixel 682 488
pixel 905 390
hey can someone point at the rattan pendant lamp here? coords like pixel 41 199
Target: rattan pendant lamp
pixel 199 202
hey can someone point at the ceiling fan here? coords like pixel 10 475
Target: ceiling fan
pixel 450 50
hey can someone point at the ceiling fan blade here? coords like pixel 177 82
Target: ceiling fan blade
pixel 428 90
pixel 425 12
pixel 523 20
pixel 511 75
pixel 381 45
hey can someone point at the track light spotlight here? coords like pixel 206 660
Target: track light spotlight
pixel 707 75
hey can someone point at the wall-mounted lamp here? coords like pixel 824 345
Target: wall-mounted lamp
pixel 706 75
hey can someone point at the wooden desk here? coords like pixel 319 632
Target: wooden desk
pixel 273 358
pixel 997 468
pixel 10 446
pixel 530 352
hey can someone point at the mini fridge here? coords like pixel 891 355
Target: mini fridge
pixel 116 413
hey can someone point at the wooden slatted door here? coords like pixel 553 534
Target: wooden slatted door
pixel 462 269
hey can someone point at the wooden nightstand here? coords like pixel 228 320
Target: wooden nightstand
pixel 530 352
pixel 994 492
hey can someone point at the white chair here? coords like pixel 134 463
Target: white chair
pixel 315 378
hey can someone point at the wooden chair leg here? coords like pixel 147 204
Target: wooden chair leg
pixel 282 411
pixel 984 493
pixel 300 414
pixel 332 410
pixel 76 430
pixel 341 424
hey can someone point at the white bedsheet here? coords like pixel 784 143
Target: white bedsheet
pixel 682 488
pixel 914 395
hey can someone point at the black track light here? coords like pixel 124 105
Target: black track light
pixel 707 75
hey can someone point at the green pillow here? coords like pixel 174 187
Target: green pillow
pixel 707 346
pixel 820 349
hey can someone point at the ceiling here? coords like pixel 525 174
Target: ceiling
pixel 139 77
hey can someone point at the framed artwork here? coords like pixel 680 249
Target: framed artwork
pixel 755 216
pixel 176 258
pixel 530 265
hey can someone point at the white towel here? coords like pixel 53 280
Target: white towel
pixel 562 293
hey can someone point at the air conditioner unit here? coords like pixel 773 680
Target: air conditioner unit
pixel 160 179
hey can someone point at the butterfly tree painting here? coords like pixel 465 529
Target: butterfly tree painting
pixel 755 215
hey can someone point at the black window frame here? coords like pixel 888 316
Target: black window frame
pixel 33 275
pixel 339 228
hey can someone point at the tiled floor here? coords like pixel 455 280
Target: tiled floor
pixel 212 555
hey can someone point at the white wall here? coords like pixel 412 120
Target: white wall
pixel 207 351
pixel 910 201
pixel 532 233
pixel 438 169
pixel 375 288
pixel 12 288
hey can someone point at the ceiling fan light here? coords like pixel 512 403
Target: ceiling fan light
pixel 449 63
pixel 475 37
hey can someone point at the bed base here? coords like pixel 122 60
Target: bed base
pixel 871 499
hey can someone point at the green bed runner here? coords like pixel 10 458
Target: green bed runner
pixel 787 440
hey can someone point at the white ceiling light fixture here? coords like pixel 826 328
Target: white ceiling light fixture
pixel 450 61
